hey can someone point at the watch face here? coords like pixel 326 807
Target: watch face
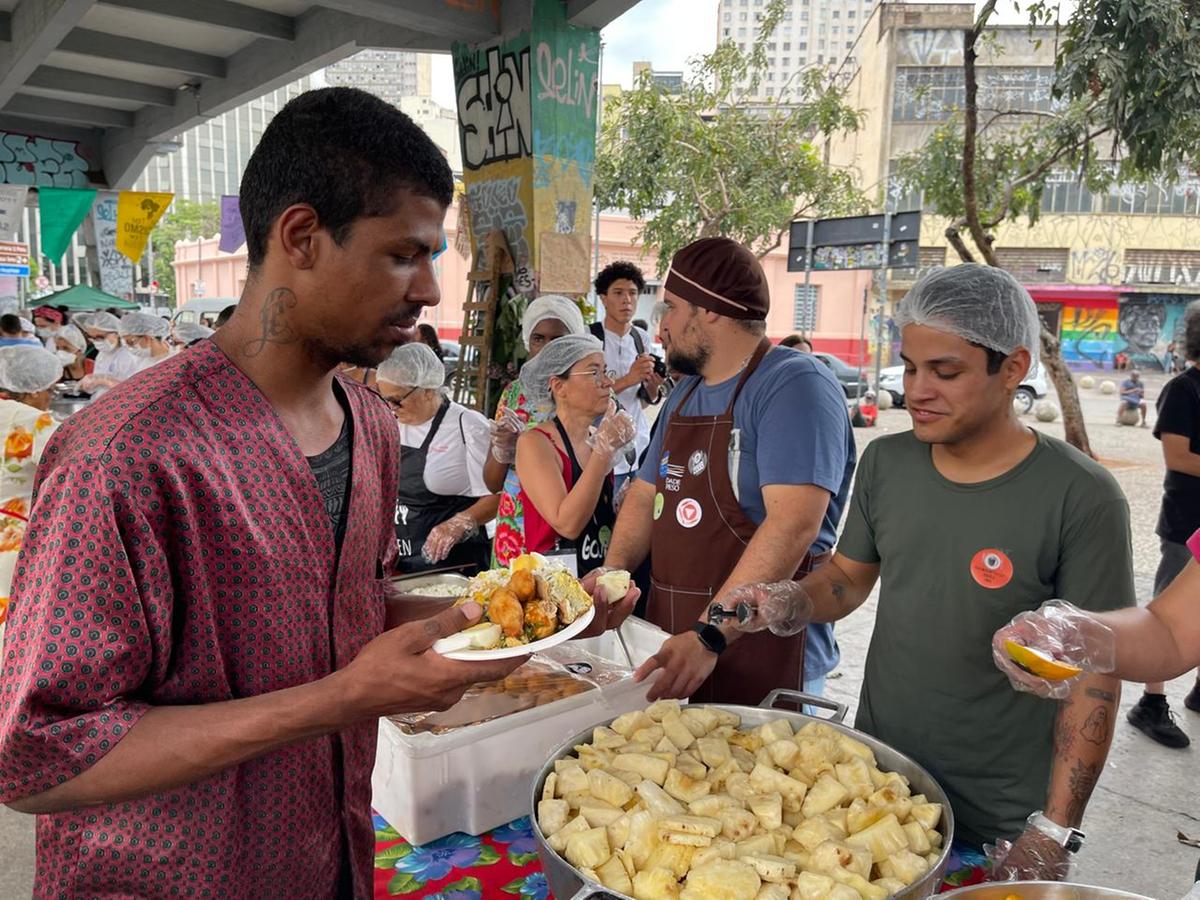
pixel 1074 842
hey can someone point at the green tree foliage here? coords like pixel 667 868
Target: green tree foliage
pixel 707 161
pixel 186 220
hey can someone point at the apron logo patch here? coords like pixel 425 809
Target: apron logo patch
pixel 659 502
pixel 688 513
pixel 697 462
pixel 673 484
pixel 991 569
pixel 662 465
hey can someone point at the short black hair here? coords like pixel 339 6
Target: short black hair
pixel 995 358
pixel 792 341
pixel 226 314
pixel 344 152
pixel 616 271
pixel 641 323
pixel 10 324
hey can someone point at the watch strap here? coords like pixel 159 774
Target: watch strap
pixel 710 636
pixel 1070 838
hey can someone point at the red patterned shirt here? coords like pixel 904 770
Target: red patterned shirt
pixel 179 553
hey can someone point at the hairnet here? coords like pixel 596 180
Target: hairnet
pixel 552 306
pixel 100 321
pixel 27 369
pixel 413 365
pixel 980 304
pixel 555 359
pixel 27 326
pixel 140 323
pixel 187 332
pixel 73 336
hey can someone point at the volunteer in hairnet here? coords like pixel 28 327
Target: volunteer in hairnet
pixel 27 374
pixel 443 503
pixel 70 346
pixel 566 464
pixel 184 334
pixel 113 363
pixel 970 519
pixel 145 336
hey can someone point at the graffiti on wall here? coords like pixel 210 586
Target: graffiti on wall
pixel 1148 324
pixel 497 204
pixel 493 104
pixel 116 271
pixel 1089 336
pixel 931 47
pixel 28 159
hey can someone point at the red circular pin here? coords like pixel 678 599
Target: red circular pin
pixel 991 569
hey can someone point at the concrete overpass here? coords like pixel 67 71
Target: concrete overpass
pixel 90 90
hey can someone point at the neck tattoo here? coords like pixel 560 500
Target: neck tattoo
pixel 274 327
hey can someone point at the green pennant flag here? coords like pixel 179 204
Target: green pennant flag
pixel 62 210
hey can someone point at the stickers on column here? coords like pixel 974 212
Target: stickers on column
pixel 688 513
pixel 991 569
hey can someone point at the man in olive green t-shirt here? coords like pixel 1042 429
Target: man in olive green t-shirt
pixel 969 519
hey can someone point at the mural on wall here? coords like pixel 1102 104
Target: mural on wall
pixel 930 47
pixel 1089 335
pixel 29 159
pixel 1148 324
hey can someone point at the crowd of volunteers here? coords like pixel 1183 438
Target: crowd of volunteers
pixel 203 626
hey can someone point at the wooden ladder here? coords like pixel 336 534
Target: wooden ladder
pixel 484 289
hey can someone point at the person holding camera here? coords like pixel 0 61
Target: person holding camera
pixel 639 376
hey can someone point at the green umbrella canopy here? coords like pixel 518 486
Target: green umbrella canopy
pixel 82 296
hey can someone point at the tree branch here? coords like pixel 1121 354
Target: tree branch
pixel 955 239
pixel 971 138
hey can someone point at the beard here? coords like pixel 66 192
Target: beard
pixel 692 363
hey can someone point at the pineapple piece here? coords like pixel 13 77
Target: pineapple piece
pixel 721 879
pixel 859 815
pixel 782 837
pixel 721 775
pixel 643 837
pixel 549 786
pixel 631 779
pixel 775 730
pixel 695 841
pixel 720 848
pixel 737 824
pixel 811 886
pixel 596 759
pixel 675 858
pixel 889 798
pixel 618 831
pixel 677 731
pixel 758 845
pixel 558 841
pixel 700 720
pixel 935 838
pixel 928 814
pixel 605 738
pixel 851 748
pixel 750 741
pixel 882 839
pixel 658 801
pixel 918 799
pixel 918 840
pixel 768 781
pixel 553 815
pixel 843 892
pixel 658 711
pixel 745 759
pixel 932 858
pixel 655 884
pixel 691 767
pixel 839 819
pixel 639 747
pixel 714 752
pixel 824 795
pixel 890 885
pixel 855 777
pixel 588 848
pixel 613 791
pixel 626 861
pixel 665 746
pixel 768 808
pixel 773 892
pixel 685 789
pixel 572 781
pixel 762 757
pixel 632 722
pixel 772 868
pixel 649 767
pixel 614 877
pixel 739 787
pixel 668 758
pixel 651 734
pixel 783 753
pixel 793 819
pixel 600 814
pixel 724 732
pixel 725 717
pixel 833 855
pixel 708 806
pixel 576 799
pixel 567 762
pixel 814 832
pixel 793 852
pixel 859 884
pixel 907 866
pixel 689 825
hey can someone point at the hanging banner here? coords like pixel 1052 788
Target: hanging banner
pixel 62 211
pixel 233 232
pixel 12 207
pixel 116 272
pixel 137 214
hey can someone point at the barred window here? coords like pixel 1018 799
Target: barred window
pixel 804 312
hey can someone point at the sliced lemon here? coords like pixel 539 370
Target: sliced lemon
pixel 523 563
pixel 1035 662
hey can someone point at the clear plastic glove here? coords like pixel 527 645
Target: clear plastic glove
pixel 1063 632
pixel 1034 856
pixel 784 608
pixel 615 430
pixel 505 429
pixel 443 538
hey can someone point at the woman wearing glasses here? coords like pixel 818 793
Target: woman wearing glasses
pixel 443 503
pixel 565 464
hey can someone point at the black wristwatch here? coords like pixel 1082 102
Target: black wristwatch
pixel 710 636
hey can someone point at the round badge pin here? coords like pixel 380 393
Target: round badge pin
pixel 991 569
pixel 698 462
pixel 688 513
pixel 659 502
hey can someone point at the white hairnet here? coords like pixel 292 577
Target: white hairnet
pixel 555 359
pixel 100 321
pixel 27 369
pixel 27 326
pixel 186 332
pixel 73 336
pixel 552 306
pixel 140 323
pixel 980 304
pixel 413 365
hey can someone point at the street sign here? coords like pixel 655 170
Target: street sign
pixel 14 258
pixel 855 242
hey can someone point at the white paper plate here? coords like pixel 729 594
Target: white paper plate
pixel 525 649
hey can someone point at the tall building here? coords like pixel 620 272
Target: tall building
pixel 670 81
pixel 440 123
pixel 811 33
pixel 390 74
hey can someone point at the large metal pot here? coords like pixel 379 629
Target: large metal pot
pixel 1041 890
pixel 567 882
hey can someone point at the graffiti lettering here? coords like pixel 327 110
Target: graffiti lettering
pixel 931 47
pixel 570 81
pixel 564 218
pixel 1182 275
pixel 40 161
pixel 494 109
pixel 1092 336
pixel 116 271
pixel 497 204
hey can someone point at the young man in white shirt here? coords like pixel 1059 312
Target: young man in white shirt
pixel 627 353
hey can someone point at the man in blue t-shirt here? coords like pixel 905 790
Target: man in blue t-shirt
pixel 11 334
pixel 1133 396
pixel 747 474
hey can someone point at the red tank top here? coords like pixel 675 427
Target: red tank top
pixel 539 536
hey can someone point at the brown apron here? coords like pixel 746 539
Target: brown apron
pixel 698 536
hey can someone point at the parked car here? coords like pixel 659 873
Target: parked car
pixel 450 353
pixel 203 310
pixel 846 374
pixel 1032 389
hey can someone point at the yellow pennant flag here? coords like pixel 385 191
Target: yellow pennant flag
pixel 137 214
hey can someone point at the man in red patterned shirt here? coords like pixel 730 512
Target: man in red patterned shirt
pixel 197 650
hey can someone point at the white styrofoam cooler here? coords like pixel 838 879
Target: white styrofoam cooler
pixel 475 779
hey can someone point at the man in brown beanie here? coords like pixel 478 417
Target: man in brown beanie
pixel 745 483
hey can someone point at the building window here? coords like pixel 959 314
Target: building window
pixel 803 45
pixel 741 32
pixel 927 93
pixel 804 310
pixel 836 14
pixel 852 14
pixel 1034 265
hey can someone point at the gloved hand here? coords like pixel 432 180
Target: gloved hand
pixel 615 430
pixel 784 608
pixel 1063 632
pixel 443 538
pixel 505 429
pixel 1034 856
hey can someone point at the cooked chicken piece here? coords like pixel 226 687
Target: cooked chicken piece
pixel 542 618
pixel 505 610
pixel 523 585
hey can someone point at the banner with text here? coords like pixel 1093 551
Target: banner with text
pixel 137 214
pixel 12 207
pixel 116 271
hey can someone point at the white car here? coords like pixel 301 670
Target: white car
pixel 1032 389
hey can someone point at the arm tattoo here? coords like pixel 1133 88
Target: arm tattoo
pixel 1106 696
pixel 1096 728
pixel 838 590
pixel 1082 782
pixel 273 319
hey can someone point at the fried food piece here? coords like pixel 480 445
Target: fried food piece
pixel 541 617
pixel 505 610
pixel 523 585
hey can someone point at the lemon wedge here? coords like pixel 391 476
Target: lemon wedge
pixel 1035 662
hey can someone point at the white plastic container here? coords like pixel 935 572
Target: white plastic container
pixel 474 779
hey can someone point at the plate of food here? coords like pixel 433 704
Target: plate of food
pixel 529 606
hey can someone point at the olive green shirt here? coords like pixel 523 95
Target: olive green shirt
pixel 957 561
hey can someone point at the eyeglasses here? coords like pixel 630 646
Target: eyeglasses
pixel 597 375
pixel 397 403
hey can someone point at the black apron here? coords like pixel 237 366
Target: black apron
pixel 418 510
pixel 590 548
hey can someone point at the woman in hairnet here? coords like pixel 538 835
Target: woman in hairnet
pixel 566 464
pixel 443 503
pixel 546 319
pixel 27 375
pixel 70 346
pixel 113 362
pixel 184 334
pixel 145 336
